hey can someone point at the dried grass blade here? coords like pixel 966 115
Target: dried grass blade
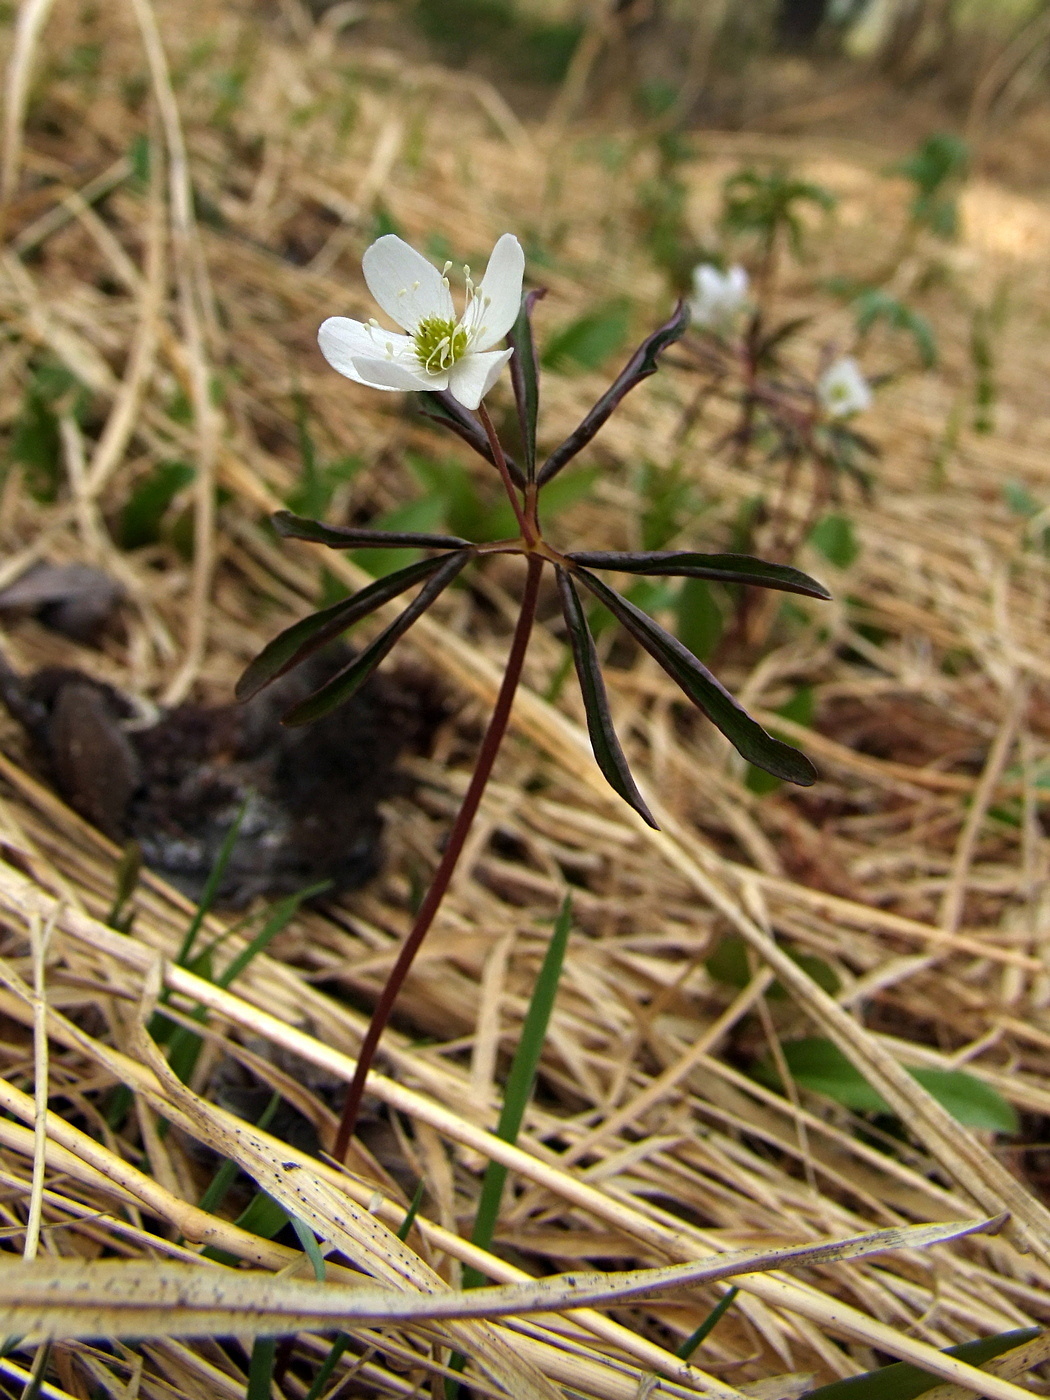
pixel 60 1298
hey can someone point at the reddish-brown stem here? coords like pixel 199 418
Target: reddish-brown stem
pixel 497 727
pixel 524 524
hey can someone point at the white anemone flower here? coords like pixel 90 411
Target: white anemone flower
pixel 843 390
pixel 439 351
pixel 718 297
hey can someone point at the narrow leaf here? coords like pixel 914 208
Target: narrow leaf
pixel 260 1370
pixel 710 1322
pixel 724 568
pixel 449 412
pixel 641 364
pixel 520 1082
pixel 352 677
pixel 298 527
pixel 303 638
pixel 902 1381
pixel 818 1064
pixel 609 755
pixel 709 694
pixel 311 1248
pixel 525 376
pixel 328 1365
pixel 70 1298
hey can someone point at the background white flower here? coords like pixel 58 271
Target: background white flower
pixel 438 352
pixel 842 388
pixel 718 297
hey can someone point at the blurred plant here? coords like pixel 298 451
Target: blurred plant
pixel 778 411
pixel 453 361
pixel 51 394
pixel 661 211
pixel 937 168
pixel 768 207
pixel 985 324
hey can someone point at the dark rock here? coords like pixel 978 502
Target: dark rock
pixel 309 796
pixel 73 599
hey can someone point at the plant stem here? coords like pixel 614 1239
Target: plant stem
pixel 490 745
pixel 526 525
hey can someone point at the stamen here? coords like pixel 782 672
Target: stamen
pixel 445 271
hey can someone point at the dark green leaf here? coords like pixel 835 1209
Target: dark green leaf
pixel 422 514
pixel 260 1369
pixel 744 733
pixel 298 527
pixel 903 1381
pixel 724 568
pixel 799 708
pixel 352 677
pixel 818 1064
pixel 525 376
pixel 728 963
pixel 589 341
pixel 303 638
pixel 642 363
pixel 609 755
pixel 263 1216
pixel 969 1099
pixel 477 509
pixel 698 618
pixel 145 508
pixel 835 539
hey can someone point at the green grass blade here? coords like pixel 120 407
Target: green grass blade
pixel 312 1250
pixel 328 1365
pixel 520 1082
pixel 211 888
pixel 224 1178
pixel 710 1322
pixel 279 918
pixel 411 1213
pixel 903 1381
pixel 260 1371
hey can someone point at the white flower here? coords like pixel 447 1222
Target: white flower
pixel 438 352
pixel 842 389
pixel 718 297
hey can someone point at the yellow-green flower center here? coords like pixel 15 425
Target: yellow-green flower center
pixel 439 343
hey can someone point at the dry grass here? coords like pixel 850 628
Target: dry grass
pixel 647 1143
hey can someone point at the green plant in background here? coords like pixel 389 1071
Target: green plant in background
pixel 986 322
pixel 767 207
pixel 51 393
pixel 819 1065
pixel 937 169
pixel 318 481
pixel 523 45
pixel 454 362
pixel 802 423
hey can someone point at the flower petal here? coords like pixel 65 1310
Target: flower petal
pixel 499 295
pixel 471 378
pixel 397 374
pixel 404 284
pixel 343 341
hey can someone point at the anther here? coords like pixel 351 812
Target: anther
pixel 445 269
